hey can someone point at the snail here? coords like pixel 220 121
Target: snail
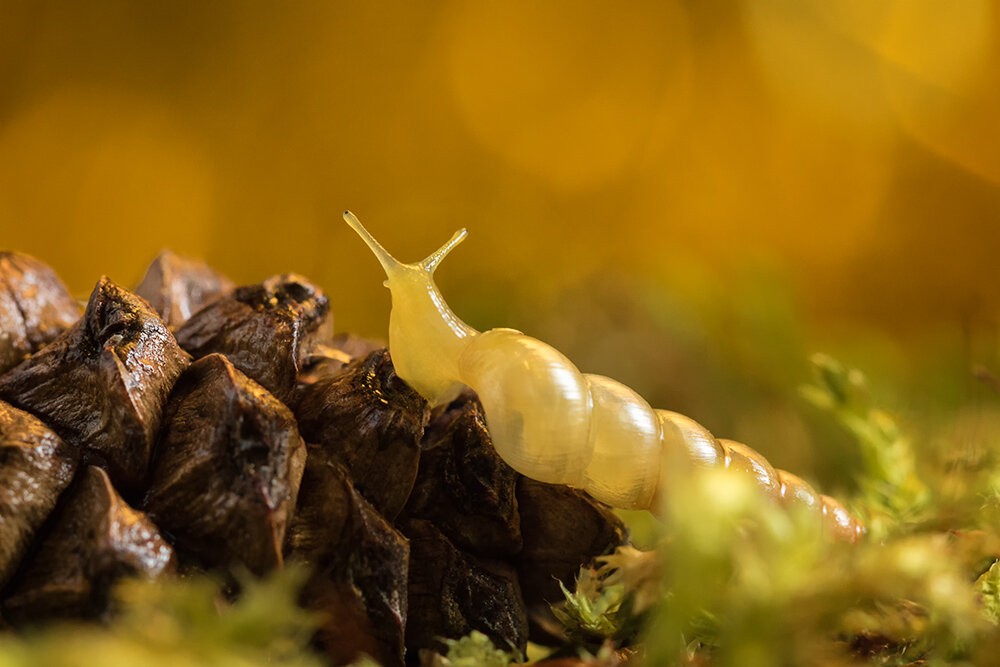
pixel 549 421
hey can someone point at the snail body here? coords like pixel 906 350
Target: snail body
pixel 549 421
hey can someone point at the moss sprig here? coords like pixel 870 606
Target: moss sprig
pixel 892 494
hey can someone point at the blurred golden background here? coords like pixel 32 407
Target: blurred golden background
pixel 688 196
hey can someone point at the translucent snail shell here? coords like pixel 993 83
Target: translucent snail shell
pixel 549 421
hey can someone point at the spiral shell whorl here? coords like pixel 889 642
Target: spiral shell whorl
pixel 625 443
pixel 554 424
pixel 537 404
pixel 557 425
pixel 789 490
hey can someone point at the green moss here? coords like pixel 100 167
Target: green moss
pixel 892 493
pixel 473 650
pixel 182 622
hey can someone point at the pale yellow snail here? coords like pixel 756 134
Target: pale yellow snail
pixel 549 421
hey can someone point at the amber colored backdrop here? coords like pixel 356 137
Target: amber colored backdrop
pixel 661 188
